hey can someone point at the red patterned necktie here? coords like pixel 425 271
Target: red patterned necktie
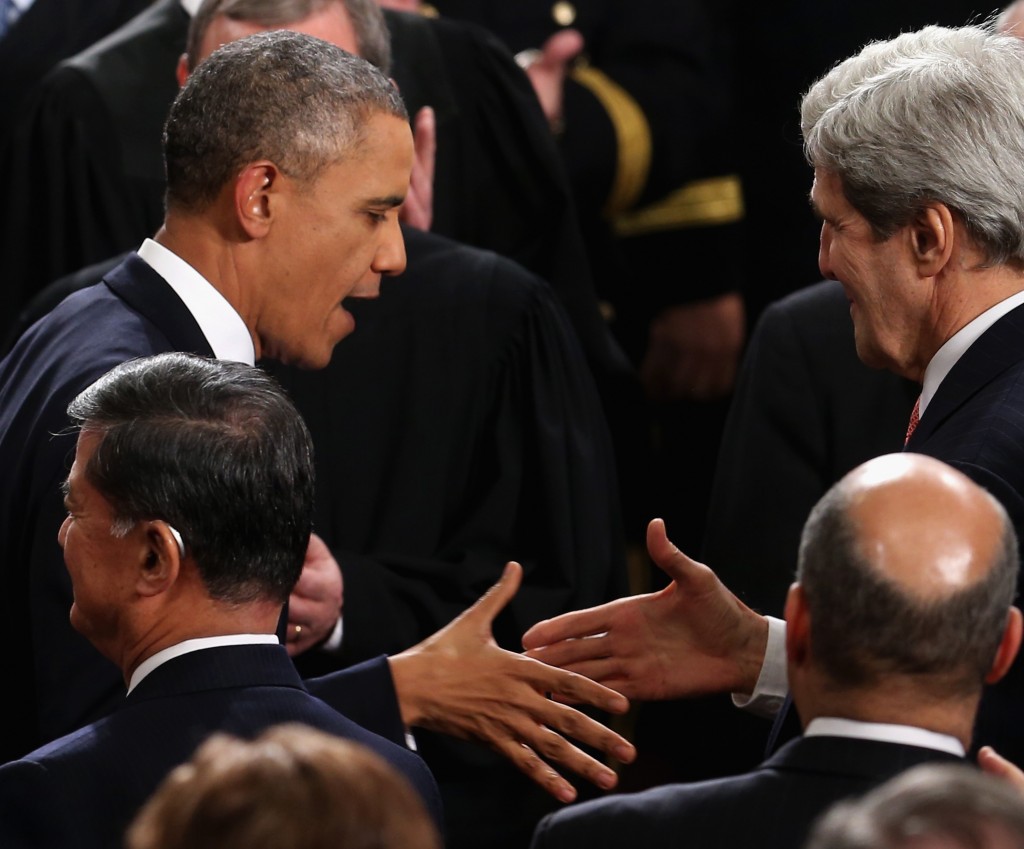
pixel 915 417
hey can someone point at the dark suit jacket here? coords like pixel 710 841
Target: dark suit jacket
pixel 62 681
pixel 134 313
pixel 975 422
pixel 772 807
pixel 82 790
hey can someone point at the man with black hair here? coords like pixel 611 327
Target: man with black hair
pixel 189 508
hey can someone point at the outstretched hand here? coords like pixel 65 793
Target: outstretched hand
pixel 461 683
pixel 995 764
pixel 692 638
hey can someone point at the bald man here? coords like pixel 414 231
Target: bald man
pixel 900 614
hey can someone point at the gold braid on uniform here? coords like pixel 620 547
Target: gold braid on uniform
pixel 701 203
pixel 632 135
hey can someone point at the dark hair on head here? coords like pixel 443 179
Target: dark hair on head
pixel 280 96
pixel 864 627
pixel 217 450
pixel 371 31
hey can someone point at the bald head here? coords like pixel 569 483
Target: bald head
pixel 922 524
pixel 907 568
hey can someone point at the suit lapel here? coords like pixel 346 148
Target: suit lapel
pixel 149 294
pixel 996 350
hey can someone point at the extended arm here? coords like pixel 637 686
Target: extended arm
pixel 693 637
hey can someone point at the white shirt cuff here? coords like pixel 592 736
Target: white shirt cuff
pixel 773 682
pixel 333 642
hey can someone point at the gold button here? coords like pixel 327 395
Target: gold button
pixel 429 11
pixel 563 13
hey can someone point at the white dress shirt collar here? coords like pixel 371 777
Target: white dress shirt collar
pixel 161 657
pixel 191 6
pixel 957 344
pixel 907 735
pixel 221 325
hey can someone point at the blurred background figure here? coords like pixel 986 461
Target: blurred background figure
pixel 293 786
pixel 934 806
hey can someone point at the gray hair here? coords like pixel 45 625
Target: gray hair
pixel 372 36
pixel 930 116
pixel 295 100
pixel 953 804
pixel 864 627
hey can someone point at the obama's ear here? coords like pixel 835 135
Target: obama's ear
pixel 256 198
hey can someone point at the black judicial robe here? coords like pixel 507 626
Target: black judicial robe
pixel 456 429
pixel 45 33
